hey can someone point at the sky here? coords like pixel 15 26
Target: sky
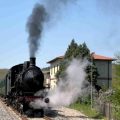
pixel 95 22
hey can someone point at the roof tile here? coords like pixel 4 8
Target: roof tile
pixel 100 57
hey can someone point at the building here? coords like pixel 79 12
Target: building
pixel 54 67
pixel 103 64
pixel 104 67
pixel 46 72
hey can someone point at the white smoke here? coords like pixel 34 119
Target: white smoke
pixel 69 89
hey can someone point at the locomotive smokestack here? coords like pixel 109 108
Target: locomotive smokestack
pixel 32 61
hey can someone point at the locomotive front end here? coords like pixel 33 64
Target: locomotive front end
pixel 33 78
pixel 25 81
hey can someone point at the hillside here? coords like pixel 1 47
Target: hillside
pixel 115 76
pixel 3 73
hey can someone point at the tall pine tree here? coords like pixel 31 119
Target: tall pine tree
pixel 71 50
pixel 69 55
pixel 81 52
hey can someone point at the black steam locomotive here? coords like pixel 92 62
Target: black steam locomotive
pixel 21 83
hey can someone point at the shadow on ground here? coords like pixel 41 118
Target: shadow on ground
pixel 56 113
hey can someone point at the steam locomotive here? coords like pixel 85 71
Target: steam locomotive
pixel 21 83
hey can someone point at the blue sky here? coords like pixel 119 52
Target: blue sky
pixel 90 21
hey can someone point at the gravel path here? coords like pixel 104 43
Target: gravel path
pixel 6 113
pixel 63 113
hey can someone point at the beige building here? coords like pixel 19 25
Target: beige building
pixel 54 67
pixel 103 64
pixel 46 72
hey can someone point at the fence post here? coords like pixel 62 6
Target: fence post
pixel 109 110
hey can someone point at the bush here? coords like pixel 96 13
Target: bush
pixel 2 87
pixel 115 99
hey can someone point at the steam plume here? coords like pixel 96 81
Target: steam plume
pixel 41 16
pixel 69 89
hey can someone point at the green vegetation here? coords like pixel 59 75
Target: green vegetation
pixel 81 52
pixel 2 76
pixel 115 97
pixel 86 109
pixel 46 69
pixel 2 87
pixel 116 72
pixel 3 73
pixel 116 76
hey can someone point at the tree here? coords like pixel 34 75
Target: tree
pixel 78 51
pixel 94 71
pixel 84 51
pixel 71 50
pixel 69 55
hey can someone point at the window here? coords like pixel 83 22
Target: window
pixel 57 67
pixel 54 69
pixel 51 70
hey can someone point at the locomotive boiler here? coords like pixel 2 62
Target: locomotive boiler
pixel 21 83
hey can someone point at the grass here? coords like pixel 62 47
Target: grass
pixel 116 76
pixel 86 109
pixel 3 73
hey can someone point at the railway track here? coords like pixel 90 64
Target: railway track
pixel 44 118
pixel 10 109
pixel 61 113
pixel 6 113
pixel 17 116
pixel 47 118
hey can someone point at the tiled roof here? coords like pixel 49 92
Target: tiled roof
pixel 100 57
pixel 95 57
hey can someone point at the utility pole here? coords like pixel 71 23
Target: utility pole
pixel 91 80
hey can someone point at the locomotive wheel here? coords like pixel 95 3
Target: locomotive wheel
pixel 20 108
pixel 38 113
pixel 42 113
